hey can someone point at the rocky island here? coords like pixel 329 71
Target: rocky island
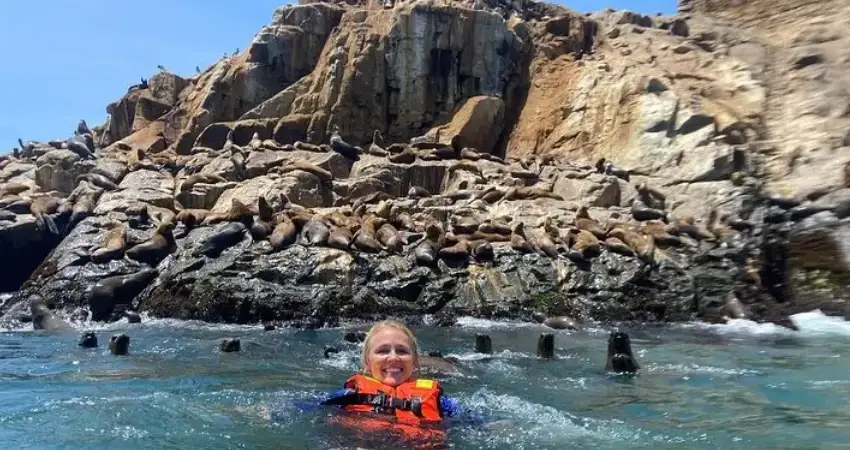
pixel 489 158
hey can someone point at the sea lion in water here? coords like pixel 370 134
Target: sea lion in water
pixel 556 322
pixel 88 340
pixel 43 318
pixel 620 357
pixel 221 239
pixel 119 344
pixel 118 289
pixel 114 244
pixel 155 249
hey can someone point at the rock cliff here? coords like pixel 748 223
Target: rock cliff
pixel 488 158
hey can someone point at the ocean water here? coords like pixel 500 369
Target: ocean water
pixel 740 385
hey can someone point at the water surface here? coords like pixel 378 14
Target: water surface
pixel 733 386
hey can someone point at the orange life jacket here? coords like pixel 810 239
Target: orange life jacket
pixel 411 402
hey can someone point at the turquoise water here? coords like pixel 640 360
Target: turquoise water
pixel 731 386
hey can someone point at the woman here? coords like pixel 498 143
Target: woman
pixel 387 390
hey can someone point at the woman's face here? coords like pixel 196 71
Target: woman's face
pixel 390 358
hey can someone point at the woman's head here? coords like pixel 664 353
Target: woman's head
pixel 390 354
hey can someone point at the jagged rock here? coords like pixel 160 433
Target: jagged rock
pixel 57 170
pixel 147 186
pixel 477 124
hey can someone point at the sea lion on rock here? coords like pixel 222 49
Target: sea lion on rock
pixel 113 244
pixel 389 237
pixel 470 154
pixel 42 207
pixel 284 233
pixel 88 340
pixel 374 148
pixel 340 238
pixel 98 180
pixel 237 158
pixel 733 308
pixel 191 217
pixel 426 252
pixel 482 250
pixel 80 145
pixel 256 143
pixel 717 228
pixel 307 147
pixel 407 156
pixel 119 344
pixel 586 245
pixel 315 232
pixel 641 212
pixel 221 239
pixel 620 357
pixel 518 240
pixel 43 318
pixel 13 188
pixel 651 197
pixel 641 244
pixel 343 148
pixel 459 251
pixel 322 174
pixel 583 221
pixel 617 246
pixel 366 239
pixel 238 212
pixel 418 192
pixel 206 178
pixel 661 233
pixel 688 227
pixel 494 227
pixel 118 289
pixel 155 249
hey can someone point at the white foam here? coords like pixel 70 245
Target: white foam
pixel 742 327
pixel 698 369
pixel 473 322
pixel 816 323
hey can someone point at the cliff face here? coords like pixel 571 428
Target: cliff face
pixel 731 113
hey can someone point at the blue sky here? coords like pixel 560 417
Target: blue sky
pixel 66 60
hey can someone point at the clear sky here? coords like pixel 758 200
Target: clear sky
pixel 66 60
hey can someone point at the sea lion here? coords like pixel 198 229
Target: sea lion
pixel 482 250
pixel 467 166
pixel 221 239
pixel 237 158
pixel 315 232
pixel 541 242
pixel 661 233
pixel 256 143
pixel 88 340
pixel 407 156
pixel 494 227
pixel 641 244
pixel 366 238
pixel 16 204
pixel 322 174
pixel 433 365
pixel 556 322
pixel 465 225
pixel 13 188
pixel 530 192
pixel 98 180
pixel 7 215
pixel 284 233
pixel 687 226
pixel 119 344
pixel 82 128
pixel 518 240
pixel 80 145
pixel 417 192
pixel 26 149
pixel 459 251
pixel 42 207
pixel 374 148
pixel 716 228
pixel 230 345
pixel 307 147
pixel 389 237
pixel 620 357
pixel 617 246
pixel 426 252
pixel 113 244
pixel 43 318
pixel 155 249
pixel 191 217
pixel 238 212
pixel 651 197
pixel 586 245
pixel 470 154
pixel 83 207
pixel 583 221
pixel 206 178
pixel 118 289
pixel 343 148
pixel 340 238
pixel 641 212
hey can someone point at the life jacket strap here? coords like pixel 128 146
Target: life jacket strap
pixel 381 402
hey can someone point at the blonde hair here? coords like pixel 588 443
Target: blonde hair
pixel 367 343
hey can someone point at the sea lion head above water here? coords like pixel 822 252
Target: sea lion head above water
pixel 119 344
pixel 620 356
